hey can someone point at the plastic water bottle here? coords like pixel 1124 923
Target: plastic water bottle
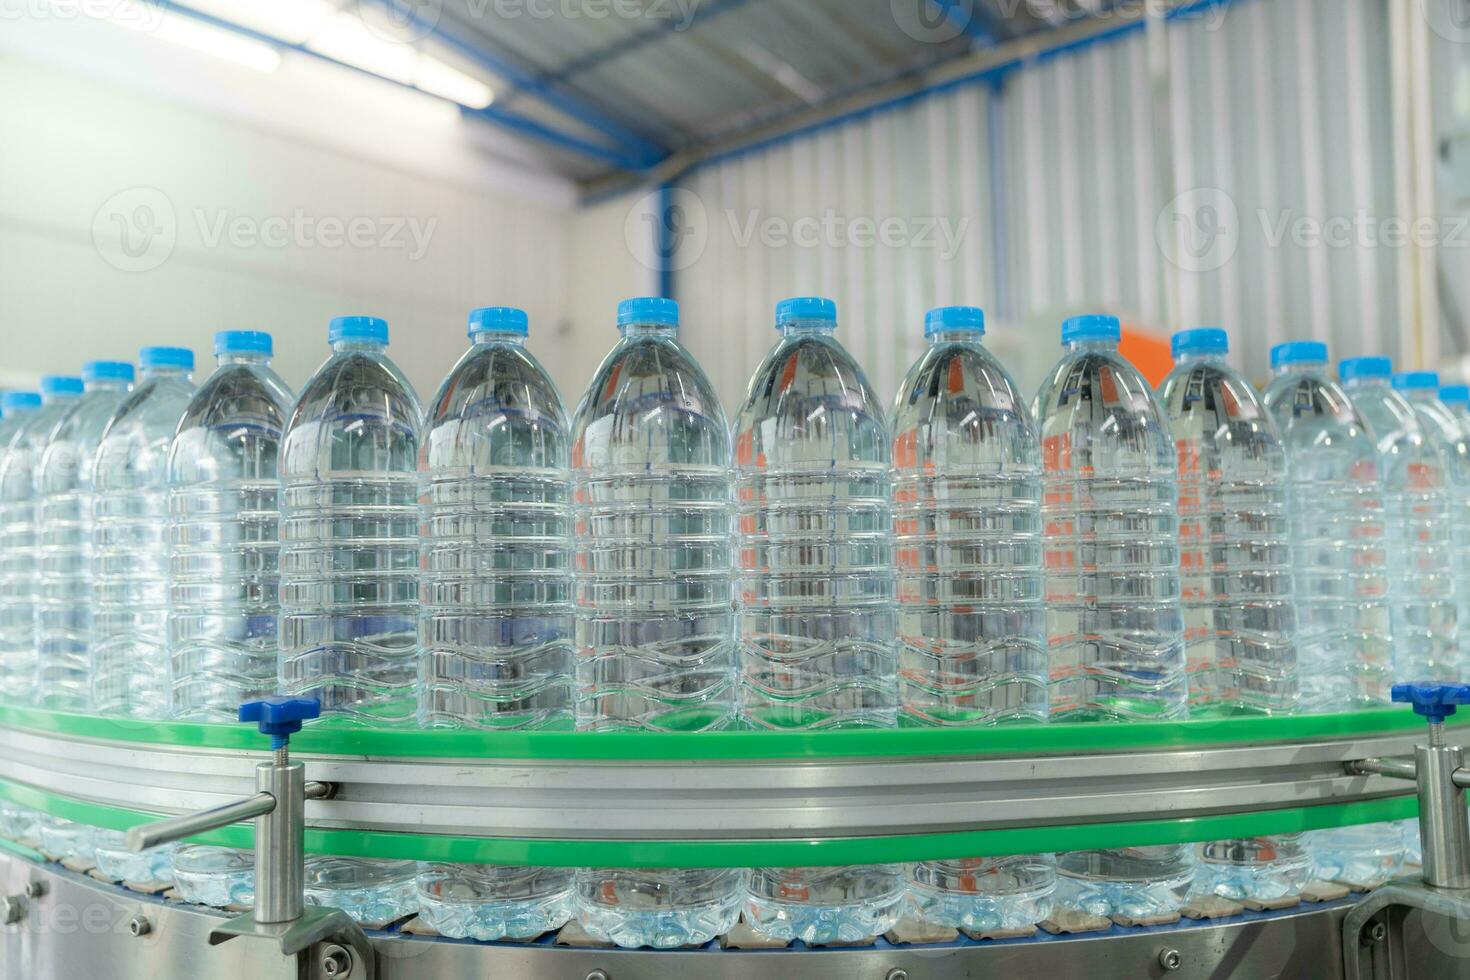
pixel 1237 582
pixel 350 534
pixel 350 568
pixel 1234 535
pixel 655 644
pixel 374 893
pixel 17 526
pixel 496 620
pixel 971 627
pixel 1421 390
pixel 1343 645
pixel 223 536
pixel 220 877
pixel 67 840
pixel 115 862
pixel 1457 399
pixel 1336 497
pixel 18 592
pixel 20 824
pixel 818 644
pixel 1418 509
pixel 223 580
pixel 130 668
pixel 496 624
pixel 64 495
pixel 967 535
pixel 15 408
pixel 1115 630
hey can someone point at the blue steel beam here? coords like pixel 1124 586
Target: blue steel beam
pixel 633 144
pixel 701 14
pixel 619 157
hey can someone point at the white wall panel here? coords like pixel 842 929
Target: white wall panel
pixel 889 214
pixel 1278 108
pixel 242 196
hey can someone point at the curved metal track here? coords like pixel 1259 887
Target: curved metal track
pixel 726 800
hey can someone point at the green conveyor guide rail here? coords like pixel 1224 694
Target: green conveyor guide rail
pixel 725 748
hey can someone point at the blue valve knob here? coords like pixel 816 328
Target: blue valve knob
pixel 280 718
pixel 1436 702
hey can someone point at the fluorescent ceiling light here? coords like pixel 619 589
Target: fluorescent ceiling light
pixel 437 78
pixel 346 39
pixel 292 21
pixel 218 42
pixel 146 18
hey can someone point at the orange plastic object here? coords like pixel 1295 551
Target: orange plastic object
pixel 1148 352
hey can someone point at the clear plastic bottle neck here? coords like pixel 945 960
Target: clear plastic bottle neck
pixel 1424 395
pixel 1366 382
pixel 792 327
pixel 498 337
pixel 955 337
pixel 1300 367
pixel 358 345
pixel 1199 358
pixel 242 357
pixel 163 371
pixel 648 330
pixel 106 384
pixel 56 397
pixel 1090 344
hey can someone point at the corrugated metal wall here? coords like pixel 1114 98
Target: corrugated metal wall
pixel 884 213
pixel 1041 192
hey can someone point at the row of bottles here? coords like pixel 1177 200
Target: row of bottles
pixel 1106 555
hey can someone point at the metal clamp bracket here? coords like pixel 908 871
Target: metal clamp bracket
pixel 279 809
pixel 1444 826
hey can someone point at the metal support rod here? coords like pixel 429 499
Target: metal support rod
pixel 1443 826
pixel 177 828
pixel 1393 768
pixel 280 847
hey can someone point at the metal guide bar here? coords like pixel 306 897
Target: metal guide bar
pixel 748 853
pixel 773 800
pixel 737 810
pixel 1028 740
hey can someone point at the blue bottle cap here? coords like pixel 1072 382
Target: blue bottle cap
pixel 947 319
pixel 20 401
pixel 648 309
pixel 62 386
pixel 499 319
pixel 1416 380
pixel 805 308
pixel 166 357
pixel 1365 367
pixel 107 371
pixel 1200 340
pixel 243 342
pixel 1455 394
pixel 1299 352
pixel 1093 326
pixel 367 329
